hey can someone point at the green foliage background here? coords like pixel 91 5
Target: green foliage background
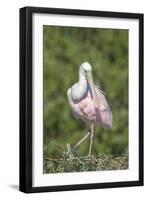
pixel 65 48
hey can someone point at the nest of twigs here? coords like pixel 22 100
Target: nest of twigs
pixel 71 162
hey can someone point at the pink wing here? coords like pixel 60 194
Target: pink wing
pixel 103 113
pixel 86 111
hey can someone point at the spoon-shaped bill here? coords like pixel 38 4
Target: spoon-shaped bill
pixel 91 84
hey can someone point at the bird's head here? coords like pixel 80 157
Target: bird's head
pixel 85 67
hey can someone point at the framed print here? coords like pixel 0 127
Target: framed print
pixel 81 99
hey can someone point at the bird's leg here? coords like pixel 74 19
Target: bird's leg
pixel 91 140
pixel 78 144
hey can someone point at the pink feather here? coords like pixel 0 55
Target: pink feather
pixel 86 111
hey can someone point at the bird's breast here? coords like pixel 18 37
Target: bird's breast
pixel 79 91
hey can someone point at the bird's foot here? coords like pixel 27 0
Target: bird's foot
pixel 72 152
pixel 89 156
pixel 75 150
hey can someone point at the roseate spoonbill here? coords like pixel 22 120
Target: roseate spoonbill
pixel 89 104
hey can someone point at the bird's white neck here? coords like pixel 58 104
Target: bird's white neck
pixel 79 89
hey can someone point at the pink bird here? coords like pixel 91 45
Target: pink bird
pixel 89 104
